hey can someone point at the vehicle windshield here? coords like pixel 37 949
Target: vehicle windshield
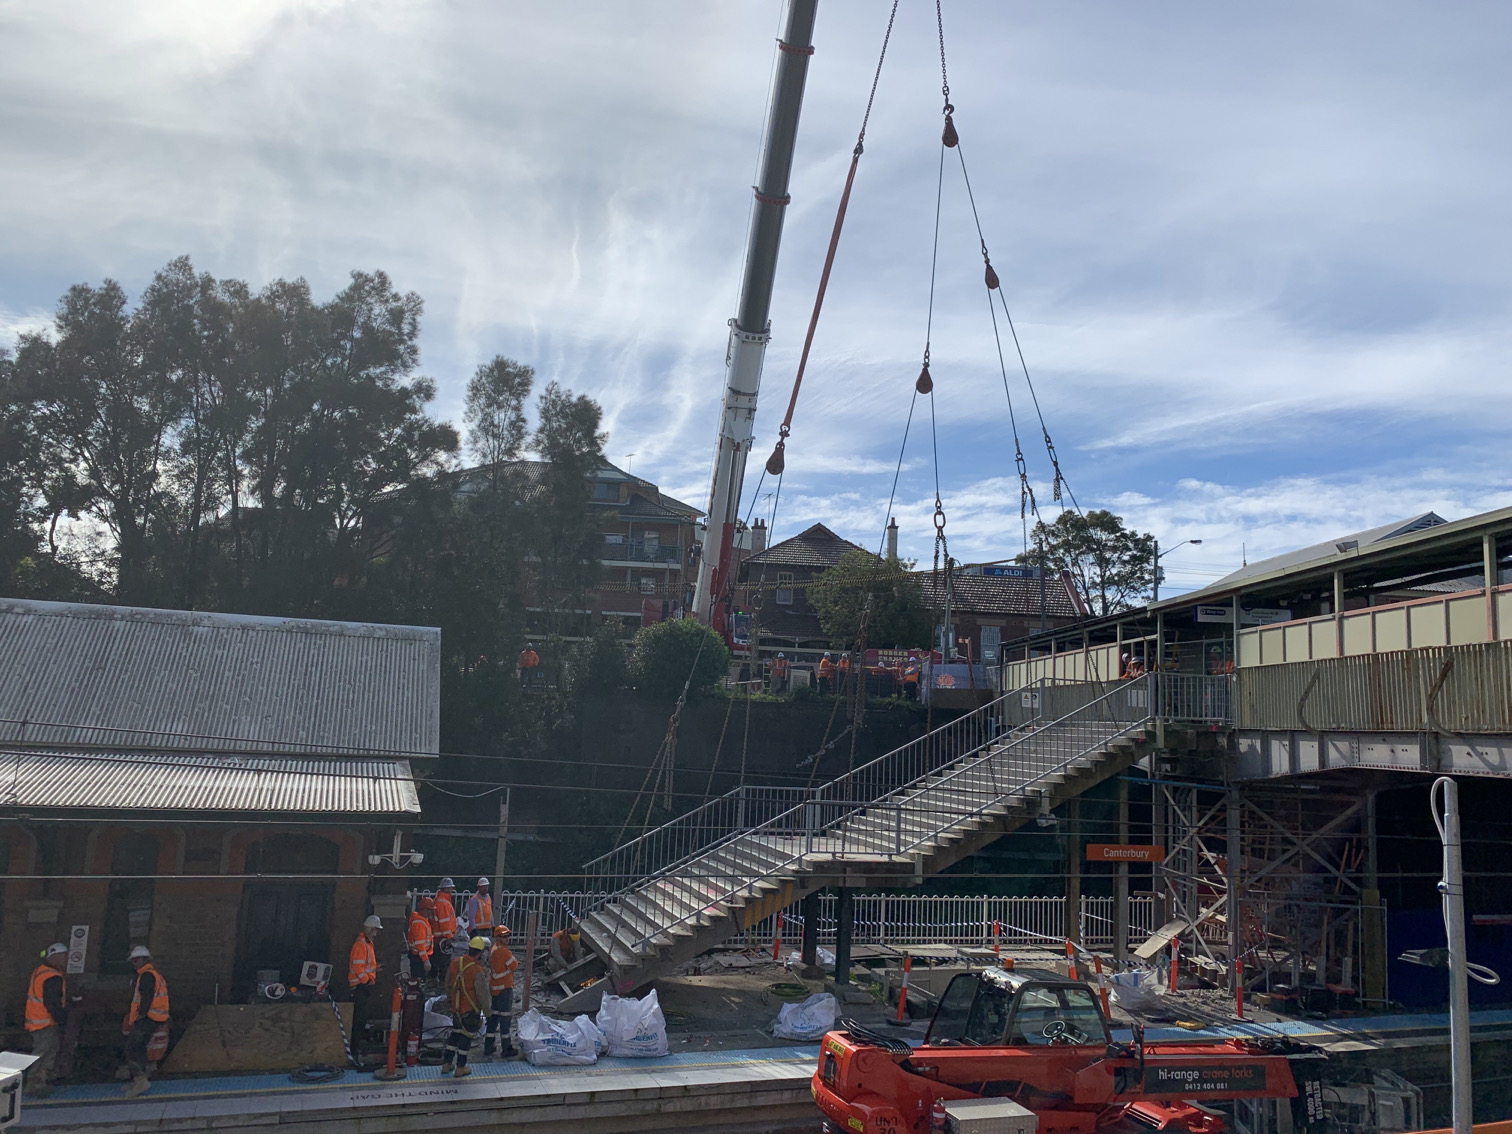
pixel 1057 1015
pixel 972 1011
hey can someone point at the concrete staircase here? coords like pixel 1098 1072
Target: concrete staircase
pixel 704 877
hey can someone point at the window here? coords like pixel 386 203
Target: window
pixel 605 490
pixel 972 1012
pixel 1045 1014
pixel 784 596
pixel 128 903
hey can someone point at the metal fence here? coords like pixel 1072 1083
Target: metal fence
pixel 880 919
pixel 1441 688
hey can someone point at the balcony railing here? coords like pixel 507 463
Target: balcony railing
pixel 640 552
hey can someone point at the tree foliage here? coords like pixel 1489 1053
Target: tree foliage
pixel 665 653
pixel 1112 565
pixel 900 617
pixel 265 451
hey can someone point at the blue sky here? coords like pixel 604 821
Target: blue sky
pixel 1260 257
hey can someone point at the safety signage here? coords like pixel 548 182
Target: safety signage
pixel 78 948
pixel 1121 852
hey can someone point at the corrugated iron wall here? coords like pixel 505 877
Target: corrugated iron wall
pixel 1450 688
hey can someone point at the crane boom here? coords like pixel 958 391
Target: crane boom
pixel 750 329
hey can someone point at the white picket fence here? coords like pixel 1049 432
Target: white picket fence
pixel 885 919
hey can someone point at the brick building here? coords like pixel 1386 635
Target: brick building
pixel 211 786
pixel 988 605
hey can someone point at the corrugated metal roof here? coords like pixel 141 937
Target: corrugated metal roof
pixel 1330 548
pixel 80 674
pixel 181 781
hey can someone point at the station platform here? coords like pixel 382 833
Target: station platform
pixel 757 1089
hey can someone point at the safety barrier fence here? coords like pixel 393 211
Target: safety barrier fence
pixel 884 919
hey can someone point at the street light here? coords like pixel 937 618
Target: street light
pixel 1155 587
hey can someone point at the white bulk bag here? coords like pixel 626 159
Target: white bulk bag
pixel 633 1027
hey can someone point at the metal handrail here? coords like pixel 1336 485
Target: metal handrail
pixel 800 817
pixel 681 837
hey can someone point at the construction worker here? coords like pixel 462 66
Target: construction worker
pixel 46 1015
pixel 444 925
pixel 147 1013
pixel 826 674
pixel 501 980
pixel 911 673
pixel 842 674
pixel 421 938
pixel 479 915
pixel 362 977
pixel 526 665
pixel 467 993
pixel 779 672
pixel 566 949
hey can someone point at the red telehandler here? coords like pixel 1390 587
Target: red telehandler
pixel 1039 1045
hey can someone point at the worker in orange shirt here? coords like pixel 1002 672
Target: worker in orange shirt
pixel 826 674
pixel 501 982
pixel 46 1015
pixel 467 993
pixel 146 1014
pixel 843 674
pixel 443 925
pixel 566 949
pixel 421 938
pixel 912 670
pixel 362 978
pixel 779 672
pixel 526 665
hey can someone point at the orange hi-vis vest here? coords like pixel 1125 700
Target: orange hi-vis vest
pixel 421 943
pixel 37 1015
pixel 445 917
pixel 362 966
pixel 484 911
pixel 462 984
pixel 158 1009
pixel 501 969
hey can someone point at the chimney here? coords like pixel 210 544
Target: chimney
pixel 758 537
pixel 892 540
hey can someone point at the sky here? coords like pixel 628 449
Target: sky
pixel 1259 257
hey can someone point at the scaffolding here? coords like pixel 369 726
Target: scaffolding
pixel 1273 884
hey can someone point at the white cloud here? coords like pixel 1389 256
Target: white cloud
pixel 1266 246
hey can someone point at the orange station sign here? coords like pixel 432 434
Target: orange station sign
pixel 1122 852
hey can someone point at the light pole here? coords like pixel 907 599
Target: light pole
pixel 1155 586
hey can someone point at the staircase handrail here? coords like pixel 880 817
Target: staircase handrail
pixel 853 809
pixel 642 848
pixel 850 810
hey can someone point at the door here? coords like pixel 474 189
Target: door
pixel 282 926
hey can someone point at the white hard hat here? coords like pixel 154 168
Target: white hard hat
pixel 140 952
pixel 447 884
pixel 781 655
pixel 55 949
pixel 483 882
pixel 372 922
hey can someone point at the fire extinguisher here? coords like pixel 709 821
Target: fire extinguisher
pixel 412 1050
pixel 938 1120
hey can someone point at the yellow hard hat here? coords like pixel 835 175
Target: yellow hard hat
pixel 477 943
